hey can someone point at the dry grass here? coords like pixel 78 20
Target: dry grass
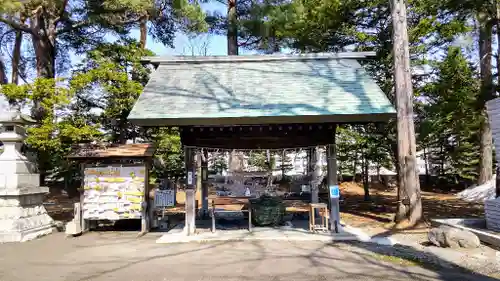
pixel 395 260
pixel 379 212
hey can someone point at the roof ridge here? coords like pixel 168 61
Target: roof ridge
pixel 256 58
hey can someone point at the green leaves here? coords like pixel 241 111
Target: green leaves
pixel 357 144
pixel 55 133
pixel 115 70
pixel 452 117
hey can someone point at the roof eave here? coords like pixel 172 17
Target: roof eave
pixel 264 120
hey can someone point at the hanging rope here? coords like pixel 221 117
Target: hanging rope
pixel 213 149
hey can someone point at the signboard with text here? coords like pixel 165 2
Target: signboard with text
pixel 114 192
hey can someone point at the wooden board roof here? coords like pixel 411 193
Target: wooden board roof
pixel 99 151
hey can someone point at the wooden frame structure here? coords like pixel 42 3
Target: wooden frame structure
pixel 258 102
pixel 248 137
pixel 124 154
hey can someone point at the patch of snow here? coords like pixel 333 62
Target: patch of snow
pixel 479 193
pixel 386 241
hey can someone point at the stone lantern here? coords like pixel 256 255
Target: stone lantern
pixel 22 214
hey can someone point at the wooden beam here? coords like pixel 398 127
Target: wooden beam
pixel 258 137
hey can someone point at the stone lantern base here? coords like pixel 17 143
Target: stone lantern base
pixel 23 216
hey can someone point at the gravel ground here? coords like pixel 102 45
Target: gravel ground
pixel 414 246
pixel 121 256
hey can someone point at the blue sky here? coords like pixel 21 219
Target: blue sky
pixel 217 44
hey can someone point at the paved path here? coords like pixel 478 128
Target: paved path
pixel 121 256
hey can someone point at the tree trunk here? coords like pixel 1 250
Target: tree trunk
pixel 426 162
pixel 269 170
pixel 497 8
pixel 442 159
pixel 3 74
pixel 16 56
pixel 44 44
pixel 354 162
pixel 366 178
pixel 143 28
pixel 283 165
pixel 487 93
pixel 411 206
pixel 232 28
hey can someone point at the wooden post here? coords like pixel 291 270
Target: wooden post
pixel 190 204
pixel 316 176
pixel 204 184
pixel 199 180
pixel 84 223
pixel 146 214
pixel 409 203
pixel 332 182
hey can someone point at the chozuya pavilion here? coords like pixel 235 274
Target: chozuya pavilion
pixel 260 102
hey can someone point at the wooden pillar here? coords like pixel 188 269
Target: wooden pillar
pixel 333 187
pixel 204 184
pixel 316 175
pixel 84 223
pixel 199 195
pixel 190 205
pixel 147 207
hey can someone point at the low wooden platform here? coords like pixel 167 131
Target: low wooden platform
pixel 236 204
pixel 296 206
pixel 230 204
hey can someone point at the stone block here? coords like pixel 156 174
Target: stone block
pixel 450 237
pixel 15 181
pixel 492 214
pixel 17 167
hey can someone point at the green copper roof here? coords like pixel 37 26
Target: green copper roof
pixel 260 90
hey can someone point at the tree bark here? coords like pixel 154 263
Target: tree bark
pixel 497 8
pixel 44 44
pixel 16 56
pixel 283 165
pixel 3 74
pixel 409 201
pixel 232 28
pixel 366 178
pixel 487 93
pixel 426 161
pixel 354 162
pixel 143 28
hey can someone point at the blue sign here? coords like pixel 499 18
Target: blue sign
pixel 334 191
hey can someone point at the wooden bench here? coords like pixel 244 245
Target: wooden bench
pixel 231 205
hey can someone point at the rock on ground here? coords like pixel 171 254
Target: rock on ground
pixel 450 237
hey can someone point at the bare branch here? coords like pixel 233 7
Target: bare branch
pixel 61 13
pixel 18 26
pixel 248 42
pixel 87 23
